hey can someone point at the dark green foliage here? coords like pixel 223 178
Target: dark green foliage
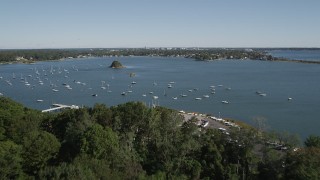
pixel 312 141
pixel 132 141
pixel 83 167
pixel 303 164
pixel 38 148
pixel 100 143
pixel 272 165
pixel 10 160
pixel 102 115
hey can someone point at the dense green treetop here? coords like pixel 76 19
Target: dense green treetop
pixel 313 141
pixel 132 141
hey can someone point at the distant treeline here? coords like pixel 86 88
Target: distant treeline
pixel 200 54
pixel 132 141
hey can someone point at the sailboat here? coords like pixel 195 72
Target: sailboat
pixel 183 95
pixel 225 102
pixel 26 82
pixel 164 93
pixel 102 85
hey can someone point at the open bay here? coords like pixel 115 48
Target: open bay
pixel 235 81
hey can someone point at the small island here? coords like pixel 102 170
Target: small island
pixel 116 65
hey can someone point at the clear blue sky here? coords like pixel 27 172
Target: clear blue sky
pixel 159 23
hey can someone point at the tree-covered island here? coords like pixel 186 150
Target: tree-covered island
pixel 116 65
pixel 132 141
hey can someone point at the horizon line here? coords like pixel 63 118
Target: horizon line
pixel 157 47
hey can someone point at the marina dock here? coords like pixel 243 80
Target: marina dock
pixel 57 107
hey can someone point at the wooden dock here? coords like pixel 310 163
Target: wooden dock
pixel 57 107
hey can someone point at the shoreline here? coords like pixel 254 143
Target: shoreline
pixel 205 60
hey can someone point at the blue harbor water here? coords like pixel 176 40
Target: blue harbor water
pixel 77 81
pixel 302 54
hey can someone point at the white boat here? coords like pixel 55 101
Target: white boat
pixel 204 123
pixel 144 95
pixel 133 82
pixel 169 85
pixel 94 95
pixel 289 99
pixel 1 94
pixel 198 98
pixel 261 93
pixel 206 96
pixel 225 102
pixel 123 93
pixel 183 95
pixel 55 90
pixel 190 90
pixel 174 98
pixel 9 83
pixel 39 100
pixel 129 91
pixel 155 97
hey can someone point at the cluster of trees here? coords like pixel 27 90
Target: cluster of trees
pixel 39 54
pixel 198 54
pixel 132 141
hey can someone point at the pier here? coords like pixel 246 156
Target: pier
pixel 57 107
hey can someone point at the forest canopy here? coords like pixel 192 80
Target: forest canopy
pixel 133 141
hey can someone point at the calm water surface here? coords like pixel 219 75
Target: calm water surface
pixel 238 79
pixel 303 54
